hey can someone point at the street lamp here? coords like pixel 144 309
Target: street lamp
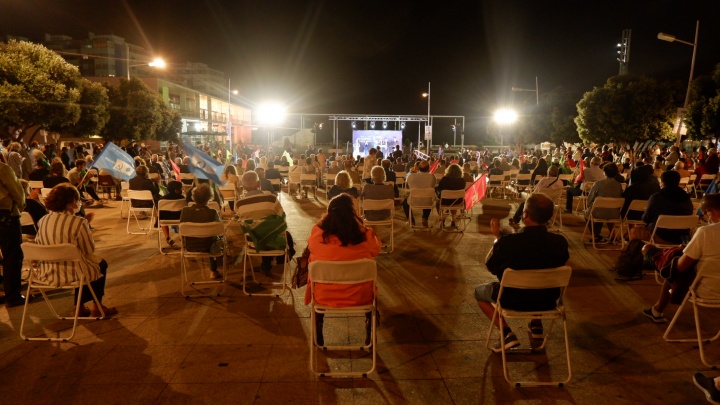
pixel 505 117
pixel 428 126
pixel 156 63
pixel 536 90
pixel 229 120
pixel 671 38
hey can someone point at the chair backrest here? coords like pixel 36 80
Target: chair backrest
pixel 707 178
pixel 400 175
pixel 201 230
pixel 106 180
pixel 523 177
pixel 452 194
pixel 26 219
pixel 228 191
pixel 308 176
pixel 377 205
pixel 274 182
pixel 552 193
pixel 677 222
pixel 171 205
pixel 537 279
pixel 343 272
pixel 154 176
pixel 124 186
pixel 566 177
pixel 422 193
pixel 587 186
pixel 608 202
pixel 62 252
pixel 284 170
pixel 145 195
pixel 35 184
pixel 44 192
pixel 438 176
pixel 636 205
pixel 187 176
pixel 496 178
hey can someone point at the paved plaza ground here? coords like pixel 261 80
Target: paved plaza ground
pixel 164 348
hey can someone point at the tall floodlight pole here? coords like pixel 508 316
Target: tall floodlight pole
pixel 681 112
pixel 536 90
pixel 428 126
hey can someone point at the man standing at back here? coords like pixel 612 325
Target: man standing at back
pixel 422 179
pixel 531 248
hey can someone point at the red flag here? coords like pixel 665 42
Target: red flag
pixel 580 177
pixel 434 166
pixel 176 170
pixel 475 192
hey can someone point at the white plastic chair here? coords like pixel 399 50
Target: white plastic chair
pixel 582 198
pixel 140 195
pixel 532 280
pixel 519 188
pixel 249 252
pixel 294 180
pixel 707 275
pixel 27 220
pixel 377 205
pixel 457 205
pixel 420 198
pixel 124 188
pixel 201 230
pixel 44 192
pixel 309 180
pixel 555 195
pixel 347 273
pixel 168 206
pixel 188 180
pixel 704 183
pixel 496 182
pixel 635 206
pixel 59 255
pixel 676 222
pixel 228 193
pixel 329 182
pixel 606 203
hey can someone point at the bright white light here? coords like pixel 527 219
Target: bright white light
pixel 426 95
pixel 271 114
pixel 505 116
pixel 158 63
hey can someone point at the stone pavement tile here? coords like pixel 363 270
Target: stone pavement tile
pixel 209 393
pixel 441 301
pixel 611 325
pixel 241 306
pixel 288 363
pixel 443 327
pixel 133 364
pixel 33 389
pixel 110 393
pixel 406 361
pixel 111 331
pixel 329 392
pixel 398 328
pixel 496 390
pixel 200 307
pixel 223 363
pixel 461 359
pixel 234 331
pixel 293 331
pixel 54 361
pixel 136 307
pixel 156 331
pixel 372 392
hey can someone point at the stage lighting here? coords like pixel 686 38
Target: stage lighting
pixel 372 124
pixel 353 124
pixel 384 124
pixel 402 125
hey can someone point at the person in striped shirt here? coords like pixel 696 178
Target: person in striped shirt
pixel 62 225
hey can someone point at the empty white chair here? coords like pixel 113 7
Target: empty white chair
pixel 202 230
pixel 355 272
pixel 533 279
pixel 140 195
pixel 58 255
pixel 124 188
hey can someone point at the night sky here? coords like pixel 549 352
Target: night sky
pixel 376 57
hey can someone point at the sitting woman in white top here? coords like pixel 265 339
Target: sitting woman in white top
pixel 201 213
pixel 61 225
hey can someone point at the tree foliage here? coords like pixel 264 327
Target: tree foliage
pixel 627 109
pixel 703 113
pixel 170 126
pixel 135 111
pixel 94 111
pixel 37 88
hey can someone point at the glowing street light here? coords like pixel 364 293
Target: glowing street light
pixel 681 112
pixel 505 116
pixel 271 114
pixel 428 126
pixel 157 63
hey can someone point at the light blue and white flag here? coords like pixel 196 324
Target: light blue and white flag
pixel 116 161
pixel 202 165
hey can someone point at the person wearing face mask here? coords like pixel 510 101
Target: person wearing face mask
pixel 62 225
pixel 702 253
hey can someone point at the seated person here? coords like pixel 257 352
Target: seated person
pixel 390 176
pixel 642 186
pixel 80 178
pixel 201 213
pixel 265 184
pixel 56 175
pixel 378 190
pixel 343 184
pixel 142 182
pixel 701 253
pixel 64 203
pixel 452 180
pixel 174 193
pixel 340 235
pixel 550 182
pixel 670 200
pixel 532 247
pixel 273 174
pixel 496 170
pixel 466 173
pixel 33 207
pixel 608 187
pixel 256 204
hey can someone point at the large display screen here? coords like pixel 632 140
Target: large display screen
pixel 384 141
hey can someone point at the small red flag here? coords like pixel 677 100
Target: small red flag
pixel 176 170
